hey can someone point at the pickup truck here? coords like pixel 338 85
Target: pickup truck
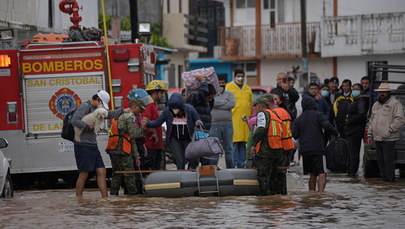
pixel 395 76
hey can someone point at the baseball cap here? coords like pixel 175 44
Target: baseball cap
pixel 105 98
pixel 334 79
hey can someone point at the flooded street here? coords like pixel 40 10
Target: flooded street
pixel 347 203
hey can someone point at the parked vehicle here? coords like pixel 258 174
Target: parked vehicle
pixel 395 75
pixel 44 82
pixel 6 185
pixel 260 90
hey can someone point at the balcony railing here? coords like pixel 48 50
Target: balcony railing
pixel 280 40
pixel 363 34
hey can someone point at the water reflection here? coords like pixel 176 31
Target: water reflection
pixel 347 203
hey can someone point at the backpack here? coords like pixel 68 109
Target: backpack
pixel 337 155
pixel 68 131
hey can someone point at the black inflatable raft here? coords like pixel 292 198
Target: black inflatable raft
pixel 204 181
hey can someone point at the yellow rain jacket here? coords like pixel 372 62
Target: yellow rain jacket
pixel 244 100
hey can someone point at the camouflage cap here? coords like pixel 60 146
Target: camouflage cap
pixel 262 100
pixel 268 97
pixel 133 100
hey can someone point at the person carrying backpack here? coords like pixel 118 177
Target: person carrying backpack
pixel 87 154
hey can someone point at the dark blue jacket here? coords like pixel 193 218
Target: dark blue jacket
pixel 374 95
pixel 176 101
pixel 323 106
pixel 307 128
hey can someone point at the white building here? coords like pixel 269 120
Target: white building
pixel 342 36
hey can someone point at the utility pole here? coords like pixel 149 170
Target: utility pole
pixel 133 9
pixel 304 43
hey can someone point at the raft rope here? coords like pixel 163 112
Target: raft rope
pixel 153 171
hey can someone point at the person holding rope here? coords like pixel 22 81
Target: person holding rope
pixel 123 149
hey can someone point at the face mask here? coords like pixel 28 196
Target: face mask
pixel 355 93
pixel 276 102
pixel 325 93
pixel 176 110
pixel 239 80
pixel 221 89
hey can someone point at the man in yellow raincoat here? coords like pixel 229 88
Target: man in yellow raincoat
pixel 244 99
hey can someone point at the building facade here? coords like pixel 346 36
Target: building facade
pixel 343 37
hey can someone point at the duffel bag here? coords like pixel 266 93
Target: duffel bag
pixel 209 146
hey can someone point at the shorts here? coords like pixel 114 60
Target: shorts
pixel 88 158
pixel 314 164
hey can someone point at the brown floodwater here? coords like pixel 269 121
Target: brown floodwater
pixel 347 203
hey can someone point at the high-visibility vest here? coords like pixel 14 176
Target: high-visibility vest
pixel 114 137
pixel 274 132
pixel 286 136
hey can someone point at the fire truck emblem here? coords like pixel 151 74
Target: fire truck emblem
pixel 64 101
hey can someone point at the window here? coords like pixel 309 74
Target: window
pixel 180 6
pixel 240 4
pixel 269 7
pixel 168 6
pixel 250 68
pixel 251 3
pixel 50 14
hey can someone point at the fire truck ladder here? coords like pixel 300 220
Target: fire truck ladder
pixel 204 173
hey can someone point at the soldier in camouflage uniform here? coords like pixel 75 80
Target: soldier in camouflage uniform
pixel 266 147
pixel 286 139
pixel 121 160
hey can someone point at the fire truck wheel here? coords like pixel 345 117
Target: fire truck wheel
pixel 8 190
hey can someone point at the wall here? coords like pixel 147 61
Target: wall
pixel 36 14
pixel 177 58
pixel 347 7
pixel 271 67
pixel 89 15
pixel 220 67
pixel 354 68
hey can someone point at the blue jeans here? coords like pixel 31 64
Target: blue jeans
pixel 239 154
pixel 225 134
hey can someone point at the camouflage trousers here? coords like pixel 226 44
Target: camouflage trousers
pixel 127 180
pixel 280 181
pixel 267 169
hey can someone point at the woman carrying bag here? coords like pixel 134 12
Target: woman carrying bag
pixel 180 119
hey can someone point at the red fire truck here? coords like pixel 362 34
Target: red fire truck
pixel 41 83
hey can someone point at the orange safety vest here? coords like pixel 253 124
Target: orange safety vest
pixel 286 136
pixel 274 132
pixel 114 136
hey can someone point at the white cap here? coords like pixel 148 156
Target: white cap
pixel 105 98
